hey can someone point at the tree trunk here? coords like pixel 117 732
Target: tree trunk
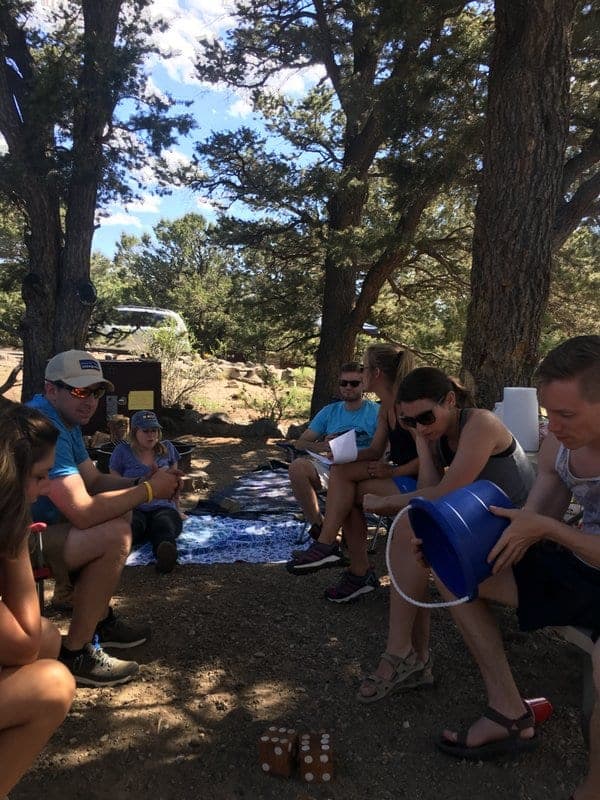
pixel 57 291
pixel 524 151
pixel 39 291
pixel 338 334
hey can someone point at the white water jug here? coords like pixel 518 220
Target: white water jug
pixel 520 413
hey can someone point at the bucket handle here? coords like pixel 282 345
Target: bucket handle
pixel 445 604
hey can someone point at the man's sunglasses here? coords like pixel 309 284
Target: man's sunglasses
pixel 354 384
pixel 80 393
pixel 425 418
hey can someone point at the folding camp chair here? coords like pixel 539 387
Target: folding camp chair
pixel 382 527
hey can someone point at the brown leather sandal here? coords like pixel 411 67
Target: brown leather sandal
pixel 512 744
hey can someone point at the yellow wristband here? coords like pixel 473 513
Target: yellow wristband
pixel 149 492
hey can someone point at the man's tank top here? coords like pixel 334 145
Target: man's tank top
pixel 510 469
pixel 586 491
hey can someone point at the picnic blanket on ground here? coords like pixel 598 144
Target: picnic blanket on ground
pixel 258 526
pixel 223 540
pixel 258 493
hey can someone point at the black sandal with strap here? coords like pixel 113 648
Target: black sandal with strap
pixel 512 744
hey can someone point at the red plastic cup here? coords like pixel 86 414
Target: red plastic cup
pixel 541 707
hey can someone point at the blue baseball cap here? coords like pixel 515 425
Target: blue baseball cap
pixel 145 420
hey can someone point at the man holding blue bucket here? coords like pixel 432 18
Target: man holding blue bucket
pixel 549 571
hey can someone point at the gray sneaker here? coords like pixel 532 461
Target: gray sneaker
pixel 318 556
pixel 114 632
pixel 93 667
pixel 350 587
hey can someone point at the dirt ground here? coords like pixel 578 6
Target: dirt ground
pixel 238 647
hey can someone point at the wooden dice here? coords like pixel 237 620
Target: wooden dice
pixel 315 757
pixel 277 750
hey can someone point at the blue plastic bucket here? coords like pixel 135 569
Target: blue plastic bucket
pixel 458 532
pixel 405 483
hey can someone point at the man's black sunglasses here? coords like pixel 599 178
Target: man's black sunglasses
pixel 425 418
pixel 81 393
pixel 350 383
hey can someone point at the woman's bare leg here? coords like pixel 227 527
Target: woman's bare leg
pixel 34 700
pixel 355 536
pixel 50 644
pixel 355 524
pixel 341 496
pixel 408 625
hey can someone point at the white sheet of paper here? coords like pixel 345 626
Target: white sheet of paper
pixel 343 449
pixel 319 457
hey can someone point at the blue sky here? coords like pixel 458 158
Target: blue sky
pixel 189 20
pixel 215 109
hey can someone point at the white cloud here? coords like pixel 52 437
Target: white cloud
pixel 152 90
pixel 147 204
pixel 191 20
pixel 175 159
pixel 122 219
pixel 188 22
pixel 296 82
pixel 241 108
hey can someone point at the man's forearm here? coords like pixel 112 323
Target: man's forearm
pixel 582 544
pixel 107 483
pixel 107 505
pixel 75 496
pixel 312 447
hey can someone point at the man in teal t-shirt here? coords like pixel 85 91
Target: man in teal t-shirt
pixel 307 476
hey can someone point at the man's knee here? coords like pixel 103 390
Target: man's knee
pixel 116 537
pixel 304 475
pixel 302 468
pixel 110 539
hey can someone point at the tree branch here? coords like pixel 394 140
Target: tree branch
pixel 570 213
pixel 11 379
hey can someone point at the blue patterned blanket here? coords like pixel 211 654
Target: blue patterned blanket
pixel 258 528
pixel 262 492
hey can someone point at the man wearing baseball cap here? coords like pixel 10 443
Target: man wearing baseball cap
pixel 87 513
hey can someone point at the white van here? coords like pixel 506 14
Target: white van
pixel 128 325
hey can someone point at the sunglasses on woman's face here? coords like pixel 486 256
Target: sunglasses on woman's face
pixel 81 393
pixel 425 418
pixel 354 384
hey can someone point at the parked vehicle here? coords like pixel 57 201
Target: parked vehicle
pixel 129 325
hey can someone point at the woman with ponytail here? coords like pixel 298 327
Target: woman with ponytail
pixel 457 444
pixel 385 366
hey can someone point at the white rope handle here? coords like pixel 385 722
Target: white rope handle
pixel 388 561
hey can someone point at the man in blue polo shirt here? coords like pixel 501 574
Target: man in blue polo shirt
pixel 87 513
pixel 308 476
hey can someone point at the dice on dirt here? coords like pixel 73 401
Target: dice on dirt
pixel 277 750
pixel 315 757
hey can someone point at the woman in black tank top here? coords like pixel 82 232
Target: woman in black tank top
pixel 384 367
pixel 456 446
